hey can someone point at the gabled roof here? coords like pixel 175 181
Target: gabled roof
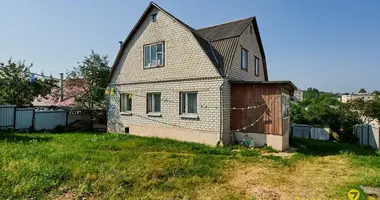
pixel 206 46
pixel 224 37
pixel 219 42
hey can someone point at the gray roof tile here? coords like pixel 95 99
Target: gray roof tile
pixel 226 30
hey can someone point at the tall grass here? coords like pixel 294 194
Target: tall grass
pixel 106 165
pixel 113 166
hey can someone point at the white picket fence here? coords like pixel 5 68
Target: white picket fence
pixel 307 131
pixel 368 135
pixel 21 119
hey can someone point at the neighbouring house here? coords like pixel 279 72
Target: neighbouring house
pixel 63 98
pixel 208 85
pixel 298 95
pixel 349 97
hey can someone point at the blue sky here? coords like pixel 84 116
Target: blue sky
pixel 330 45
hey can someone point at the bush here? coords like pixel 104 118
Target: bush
pixel 324 110
pixel 59 129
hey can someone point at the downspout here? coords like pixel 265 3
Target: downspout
pixel 220 96
pixel 221 112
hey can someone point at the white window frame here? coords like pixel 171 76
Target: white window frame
pixel 186 114
pixel 125 108
pixel 162 52
pixel 153 106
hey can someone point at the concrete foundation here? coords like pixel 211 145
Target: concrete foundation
pixel 278 142
pixel 209 138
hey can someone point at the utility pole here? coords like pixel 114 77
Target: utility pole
pixel 61 87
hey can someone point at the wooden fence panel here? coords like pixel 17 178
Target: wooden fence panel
pixel 267 117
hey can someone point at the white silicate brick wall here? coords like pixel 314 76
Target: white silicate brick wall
pixel 208 107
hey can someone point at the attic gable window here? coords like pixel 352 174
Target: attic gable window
pixel 257 66
pixel 244 59
pixel 154 55
pixel 154 17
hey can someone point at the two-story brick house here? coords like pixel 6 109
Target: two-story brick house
pixel 173 81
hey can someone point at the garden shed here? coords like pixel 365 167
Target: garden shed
pixel 261 111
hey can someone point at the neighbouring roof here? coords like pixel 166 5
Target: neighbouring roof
pixel 285 82
pixel 219 42
pixel 70 89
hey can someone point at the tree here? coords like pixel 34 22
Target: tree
pixel 369 110
pixel 2 89
pixel 362 90
pixel 376 92
pixel 318 109
pixel 298 114
pixel 324 110
pixel 311 93
pixel 345 123
pixel 17 86
pixel 87 83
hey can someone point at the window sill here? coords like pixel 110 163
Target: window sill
pixel 189 116
pixel 154 114
pixel 126 113
pixel 152 67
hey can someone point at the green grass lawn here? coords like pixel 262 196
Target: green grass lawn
pixel 112 166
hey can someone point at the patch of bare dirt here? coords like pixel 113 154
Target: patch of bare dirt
pixel 307 179
pixel 71 195
pixel 65 196
pixel 280 154
pixel 315 178
pixel 261 193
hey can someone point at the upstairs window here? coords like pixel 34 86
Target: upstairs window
pixel 125 102
pixel 154 17
pixel 154 103
pixel 257 66
pixel 244 59
pixel 154 55
pixel 251 29
pixel 188 103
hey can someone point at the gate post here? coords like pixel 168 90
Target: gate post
pixel 14 118
pixel 369 126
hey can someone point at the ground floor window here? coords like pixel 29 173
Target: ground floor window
pixel 154 102
pixel 126 102
pixel 188 103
